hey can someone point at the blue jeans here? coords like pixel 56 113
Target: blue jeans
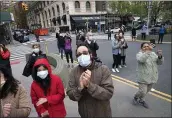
pixel 61 52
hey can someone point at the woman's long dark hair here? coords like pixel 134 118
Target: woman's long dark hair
pixel 44 83
pixel 11 84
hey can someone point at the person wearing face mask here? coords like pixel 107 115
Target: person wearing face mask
pixel 121 37
pixel 14 101
pixel 47 91
pixel 123 48
pixel 5 57
pixel 91 85
pixel 116 51
pixel 36 54
pixel 91 44
pixel 147 71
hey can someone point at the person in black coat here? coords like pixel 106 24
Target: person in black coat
pixel 133 34
pixel 80 39
pixel 61 42
pixel 5 57
pixel 91 44
pixel 57 36
pixel 36 54
pixel 109 34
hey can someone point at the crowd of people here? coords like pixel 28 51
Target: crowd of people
pixel 90 82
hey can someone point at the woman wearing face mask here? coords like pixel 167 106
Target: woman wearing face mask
pixel 121 37
pixel 14 101
pixel 116 44
pixel 5 57
pixel 123 47
pixel 91 44
pixel 37 53
pixel 47 91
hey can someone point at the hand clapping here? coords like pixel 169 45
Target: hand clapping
pixel 85 78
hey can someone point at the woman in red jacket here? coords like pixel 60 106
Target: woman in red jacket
pixel 5 57
pixel 47 91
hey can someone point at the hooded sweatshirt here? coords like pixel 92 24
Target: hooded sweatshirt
pixel 55 93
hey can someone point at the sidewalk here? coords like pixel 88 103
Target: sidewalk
pixel 99 36
pixel 121 102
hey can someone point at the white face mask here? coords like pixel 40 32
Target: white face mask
pixel 88 41
pixel 36 50
pixel 120 35
pixel 84 60
pixel 42 74
pixel 90 38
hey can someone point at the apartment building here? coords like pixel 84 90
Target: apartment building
pixel 67 15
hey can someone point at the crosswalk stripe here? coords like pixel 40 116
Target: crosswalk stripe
pixel 41 41
pixel 19 52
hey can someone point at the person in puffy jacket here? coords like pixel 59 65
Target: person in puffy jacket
pixel 47 91
pixel 36 54
pixel 5 57
pixel 147 71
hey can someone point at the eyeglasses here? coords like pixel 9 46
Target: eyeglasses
pixel 83 53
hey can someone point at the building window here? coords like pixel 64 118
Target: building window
pixel 58 10
pixel 47 24
pixel 104 6
pixel 44 4
pixel 44 24
pixel 77 6
pixel 45 14
pixel 53 11
pixel 88 6
pixel 49 12
pixel 63 6
pixel 48 2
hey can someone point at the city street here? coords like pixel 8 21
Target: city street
pixel 164 83
pixel 124 82
pixel 24 23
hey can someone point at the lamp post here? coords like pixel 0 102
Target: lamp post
pixel 149 8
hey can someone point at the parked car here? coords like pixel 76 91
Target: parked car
pixel 114 30
pixel 21 37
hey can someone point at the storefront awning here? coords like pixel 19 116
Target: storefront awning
pixel 89 18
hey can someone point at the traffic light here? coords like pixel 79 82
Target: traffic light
pixel 25 6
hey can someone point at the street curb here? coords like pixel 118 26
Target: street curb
pixel 149 41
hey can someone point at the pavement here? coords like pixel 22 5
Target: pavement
pixel 125 82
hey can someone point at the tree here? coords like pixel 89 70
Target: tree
pixel 166 12
pixel 137 8
pixel 157 7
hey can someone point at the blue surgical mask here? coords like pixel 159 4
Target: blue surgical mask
pixel 84 60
